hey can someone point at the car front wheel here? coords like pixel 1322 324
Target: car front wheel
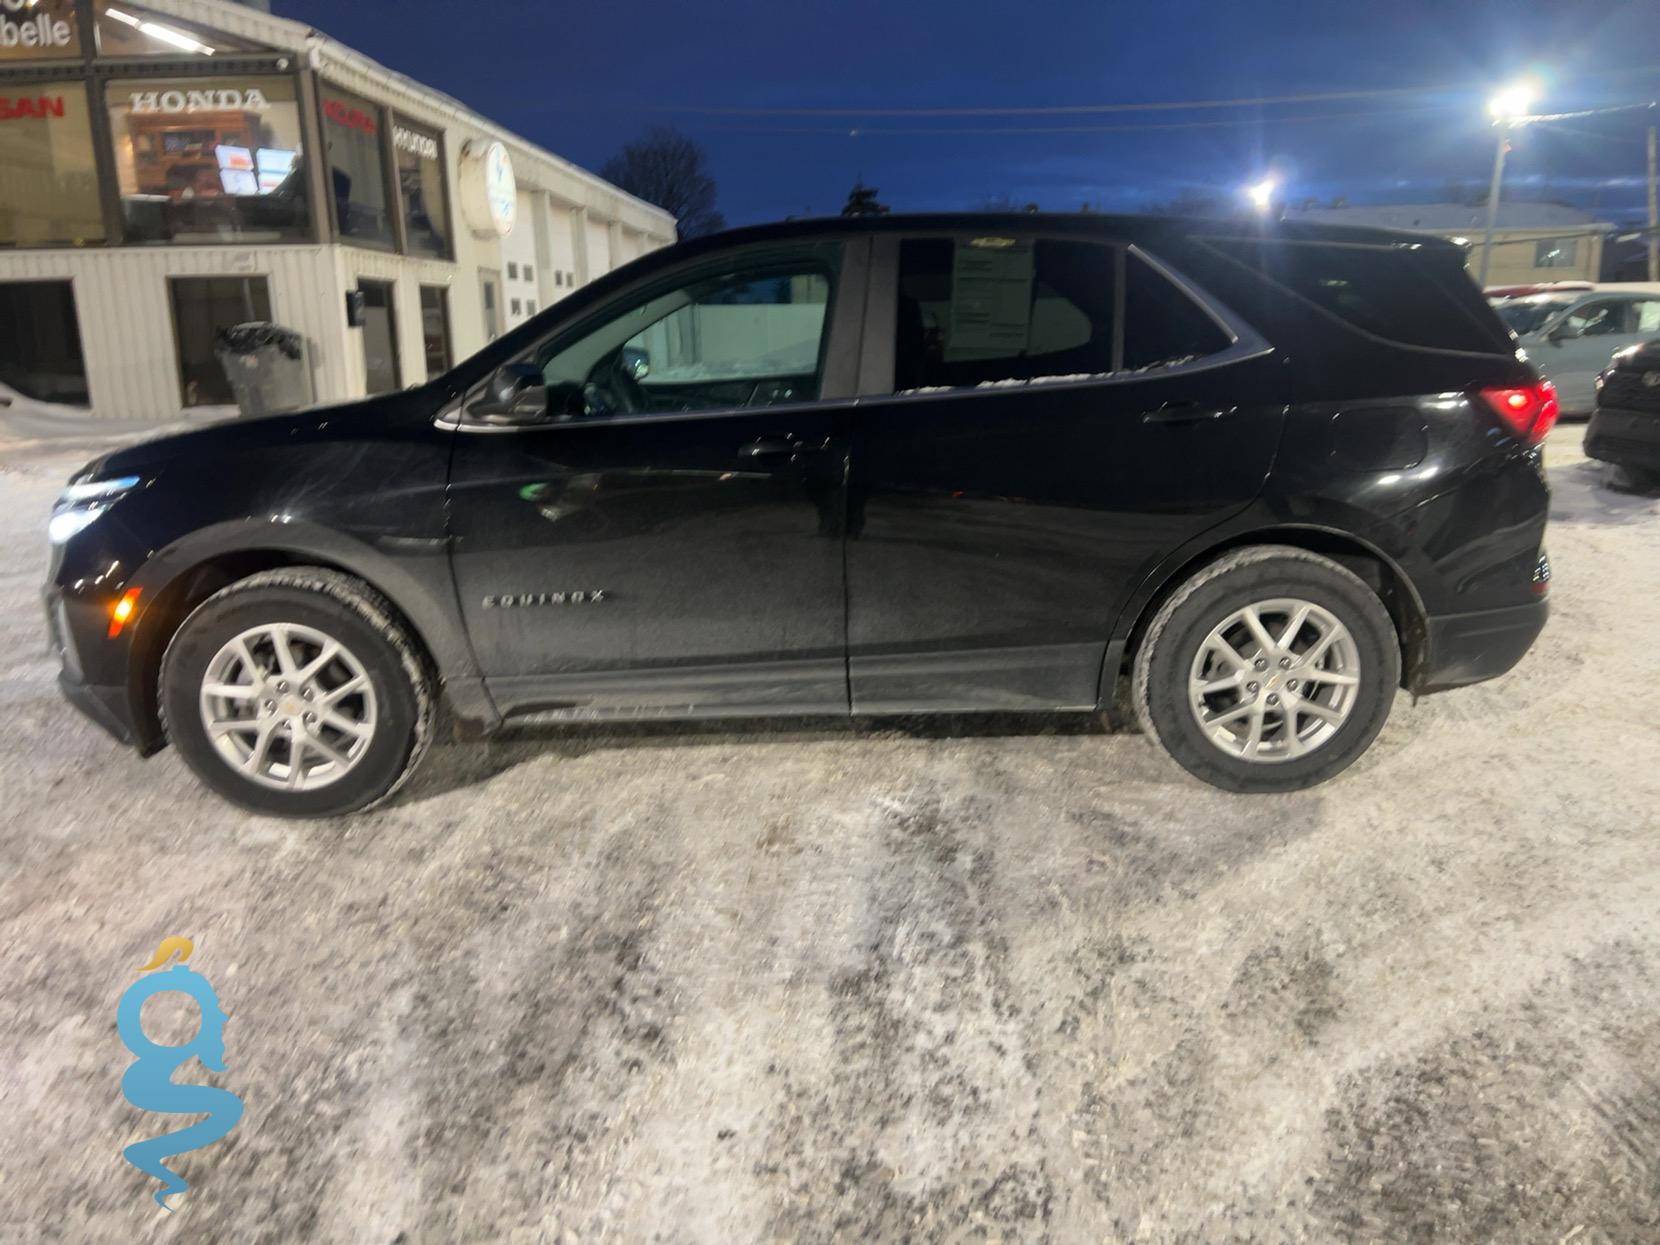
pixel 297 693
pixel 1271 669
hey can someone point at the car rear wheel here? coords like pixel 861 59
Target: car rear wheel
pixel 296 692
pixel 1271 669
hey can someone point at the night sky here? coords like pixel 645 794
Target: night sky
pixel 581 78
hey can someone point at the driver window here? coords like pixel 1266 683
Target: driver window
pixel 725 340
pixel 1595 319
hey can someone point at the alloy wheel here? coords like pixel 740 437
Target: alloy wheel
pixel 288 706
pixel 1275 680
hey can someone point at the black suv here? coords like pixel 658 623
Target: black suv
pixel 1269 473
pixel 1625 428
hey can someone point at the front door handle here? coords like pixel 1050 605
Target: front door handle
pixel 780 447
pixel 1184 413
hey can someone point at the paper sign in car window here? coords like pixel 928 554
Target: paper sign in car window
pixel 991 301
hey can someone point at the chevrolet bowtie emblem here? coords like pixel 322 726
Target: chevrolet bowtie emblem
pixel 512 600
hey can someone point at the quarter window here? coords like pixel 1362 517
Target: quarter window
pixel 1163 326
pixel 209 159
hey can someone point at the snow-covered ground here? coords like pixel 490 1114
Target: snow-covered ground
pixel 965 980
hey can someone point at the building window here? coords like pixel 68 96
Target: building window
pixel 512 271
pixel 530 307
pixel 422 188
pixel 1556 253
pixel 126 30
pixel 49 194
pixel 40 342
pixel 357 169
pixel 380 338
pixel 209 159
pixel 435 329
pixel 516 308
pixel 558 277
pixel 202 306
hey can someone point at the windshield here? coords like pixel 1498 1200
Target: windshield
pixel 1528 315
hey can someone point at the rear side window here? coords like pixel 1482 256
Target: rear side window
pixel 1413 295
pixel 1005 311
pixel 1163 327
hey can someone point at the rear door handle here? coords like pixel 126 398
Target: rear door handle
pixel 1184 413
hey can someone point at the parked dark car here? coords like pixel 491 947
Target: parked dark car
pixel 893 465
pixel 1625 428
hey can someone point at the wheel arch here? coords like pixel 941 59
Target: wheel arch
pixel 184 578
pixel 1376 568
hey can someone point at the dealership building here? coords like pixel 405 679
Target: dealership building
pixel 170 169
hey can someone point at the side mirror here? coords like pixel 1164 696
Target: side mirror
pixel 636 362
pixel 515 393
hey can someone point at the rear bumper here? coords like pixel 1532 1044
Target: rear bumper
pixel 1469 648
pixel 1628 438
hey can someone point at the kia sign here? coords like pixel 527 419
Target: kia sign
pixel 489 192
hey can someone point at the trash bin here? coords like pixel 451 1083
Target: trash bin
pixel 267 366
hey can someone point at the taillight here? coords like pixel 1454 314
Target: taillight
pixel 1530 412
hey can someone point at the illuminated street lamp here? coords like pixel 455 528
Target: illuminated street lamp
pixel 1261 194
pixel 1508 108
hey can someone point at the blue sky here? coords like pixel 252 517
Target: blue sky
pixel 582 78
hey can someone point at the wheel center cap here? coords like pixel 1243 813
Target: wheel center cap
pixel 291 706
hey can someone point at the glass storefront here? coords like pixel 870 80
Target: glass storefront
pixel 421 187
pixel 357 169
pixel 209 159
pixel 49 191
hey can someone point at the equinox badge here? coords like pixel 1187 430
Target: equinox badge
pixel 512 600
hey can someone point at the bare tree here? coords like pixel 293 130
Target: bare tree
pixel 1193 202
pixel 862 201
pixel 666 168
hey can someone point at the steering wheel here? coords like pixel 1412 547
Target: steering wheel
pixel 613 391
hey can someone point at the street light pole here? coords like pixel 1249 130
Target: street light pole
pixel 1493 201
pixel 1508 107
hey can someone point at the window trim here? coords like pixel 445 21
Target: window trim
pixel 840 349
pixel 1244 342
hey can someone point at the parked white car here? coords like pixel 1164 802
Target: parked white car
pixel 1571 334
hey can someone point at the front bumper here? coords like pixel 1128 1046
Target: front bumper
pixel 1627 438
pixel 108 704
pixel 1469 648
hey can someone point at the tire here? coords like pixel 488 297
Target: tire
pixel 1182 651
pixel 359 724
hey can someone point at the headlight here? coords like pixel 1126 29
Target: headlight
pixel 79 504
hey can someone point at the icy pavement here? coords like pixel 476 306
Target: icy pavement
pixel 969 981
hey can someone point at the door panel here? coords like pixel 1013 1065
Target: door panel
pixel 994 537
pixel 1068 413
pixel 628 564
pixel 674 547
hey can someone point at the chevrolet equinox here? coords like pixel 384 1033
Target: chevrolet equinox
pixel 1267 473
